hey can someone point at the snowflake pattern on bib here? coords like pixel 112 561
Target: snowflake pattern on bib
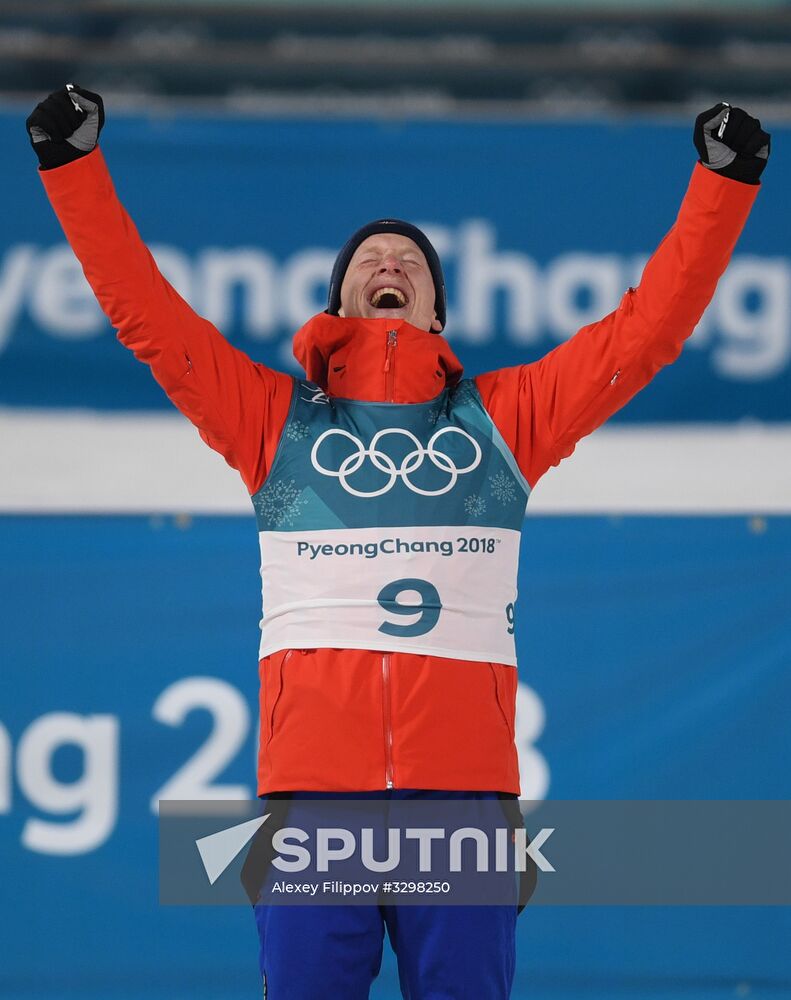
pixel 475 505
pixel 297 431
pixel 503 488
pixel 280 504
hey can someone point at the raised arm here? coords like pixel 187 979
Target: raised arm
pixel 544 408
pixel 239 407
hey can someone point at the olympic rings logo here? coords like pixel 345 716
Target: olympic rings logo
pixel 382 461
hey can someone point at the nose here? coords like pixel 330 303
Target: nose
pixel 390 263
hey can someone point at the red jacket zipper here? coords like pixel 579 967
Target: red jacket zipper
pixel 388 720
pixel 389 368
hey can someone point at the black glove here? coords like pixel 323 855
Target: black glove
pixel 731 143
pixel 65 126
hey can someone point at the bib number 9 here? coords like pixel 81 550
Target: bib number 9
pixel 428 607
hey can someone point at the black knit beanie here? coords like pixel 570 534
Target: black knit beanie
pixel 401 229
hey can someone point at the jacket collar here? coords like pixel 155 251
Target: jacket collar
pixel 348 358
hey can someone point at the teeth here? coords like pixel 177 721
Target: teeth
pixel 380 293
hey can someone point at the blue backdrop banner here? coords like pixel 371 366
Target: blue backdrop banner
pixel 541 227
pixel 654 660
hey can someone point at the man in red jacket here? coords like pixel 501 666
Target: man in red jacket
pixel 381 476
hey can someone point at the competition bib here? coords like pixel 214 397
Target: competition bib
pixel 391 527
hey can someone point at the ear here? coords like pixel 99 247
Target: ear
pixel 341 312
pixel 436 326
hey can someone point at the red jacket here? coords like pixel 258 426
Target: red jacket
pixel 346 720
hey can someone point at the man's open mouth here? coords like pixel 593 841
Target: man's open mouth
pixel 388 298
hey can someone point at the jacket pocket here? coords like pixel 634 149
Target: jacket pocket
pixel 504 678
pixel 273 683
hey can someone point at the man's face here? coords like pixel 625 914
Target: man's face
pixel 389 277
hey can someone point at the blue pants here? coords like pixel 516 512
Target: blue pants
pixel 335 952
